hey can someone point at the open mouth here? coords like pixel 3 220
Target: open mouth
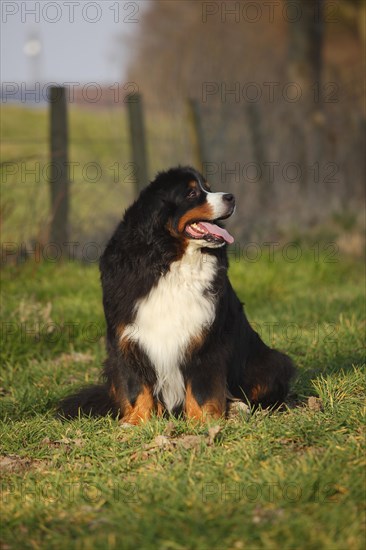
pixel 209 232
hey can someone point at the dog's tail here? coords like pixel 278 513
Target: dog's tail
pixel 92 400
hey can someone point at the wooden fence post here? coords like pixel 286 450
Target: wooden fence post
pixel 138 141
pixel 59 181
pixel 197 135
pixel 255 129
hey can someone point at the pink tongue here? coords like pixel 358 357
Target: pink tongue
pixel 218 231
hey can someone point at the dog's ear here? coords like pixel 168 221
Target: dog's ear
pixel 154 211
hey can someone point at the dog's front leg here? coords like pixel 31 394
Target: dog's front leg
pixel 142 408
pixel 205 398
pixel 135 407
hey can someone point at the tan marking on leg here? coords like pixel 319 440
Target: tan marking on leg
pixel 258 392
pixel 142 410
pixel 214 408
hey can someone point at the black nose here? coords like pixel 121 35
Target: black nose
pixel 228 197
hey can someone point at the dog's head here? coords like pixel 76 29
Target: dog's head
pixel 183 203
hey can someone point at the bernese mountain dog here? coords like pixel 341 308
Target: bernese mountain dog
pixel 178 340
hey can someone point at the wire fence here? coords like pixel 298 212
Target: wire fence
pixel 291 167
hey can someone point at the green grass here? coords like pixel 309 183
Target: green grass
pixel 289 479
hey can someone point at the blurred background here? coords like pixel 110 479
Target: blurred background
pixel 266 98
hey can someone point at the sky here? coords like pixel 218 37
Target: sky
pixel 81 41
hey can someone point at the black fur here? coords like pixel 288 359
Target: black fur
pixel 231 358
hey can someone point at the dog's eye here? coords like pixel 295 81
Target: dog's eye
pixel 192 194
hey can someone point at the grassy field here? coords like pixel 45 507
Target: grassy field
pixel 288 479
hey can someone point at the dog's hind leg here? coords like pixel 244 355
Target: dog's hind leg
pixel 268 382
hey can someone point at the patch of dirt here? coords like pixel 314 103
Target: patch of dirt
pixel 299 446
pixel 16 463
pixel 74 357
pixel 30 310
pixel 186 442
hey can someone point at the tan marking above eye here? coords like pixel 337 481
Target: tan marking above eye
pixel 192 184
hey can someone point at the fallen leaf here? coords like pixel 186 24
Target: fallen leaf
pixel 66 441
pixel 62 441
pixel 315 404
pixel 189 441
pixel 213 432
pixel 238 409
pixel 160 441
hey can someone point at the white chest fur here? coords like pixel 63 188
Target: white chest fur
pixel 171 316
